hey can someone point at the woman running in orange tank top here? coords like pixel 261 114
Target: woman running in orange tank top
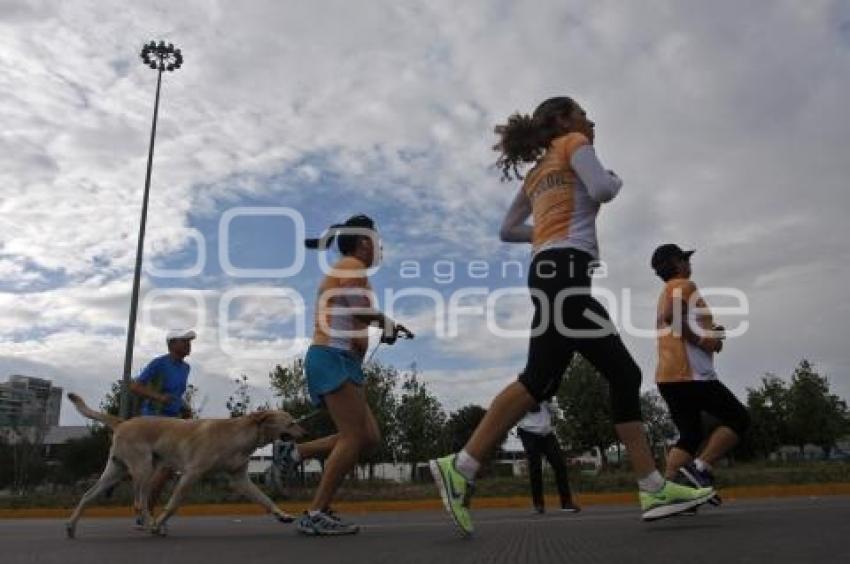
pixel 334 373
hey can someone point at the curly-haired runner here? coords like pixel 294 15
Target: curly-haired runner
pixel 563 192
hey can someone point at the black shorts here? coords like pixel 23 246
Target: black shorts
pixel 584 328
pixel 689 400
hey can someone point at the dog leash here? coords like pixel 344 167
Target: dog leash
pixel 403 333
pixel 307 417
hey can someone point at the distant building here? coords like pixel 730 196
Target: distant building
pixel 29 402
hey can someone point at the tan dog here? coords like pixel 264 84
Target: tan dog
pixel 192 447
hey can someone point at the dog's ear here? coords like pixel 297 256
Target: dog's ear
pixel 260 417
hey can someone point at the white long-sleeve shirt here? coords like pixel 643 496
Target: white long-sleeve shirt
pixel 539 422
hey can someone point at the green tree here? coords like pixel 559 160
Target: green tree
pixel 586 406
pixel 769 413
pixel 83 457
pixel 290 385
pixel 192 407
pixel 24 456
pixel 656 418
pixel 380 386
pixel 420 422
pixel 239 402
pixel 815 415
pixel 7 474
pixel 460 426
pixel 111 402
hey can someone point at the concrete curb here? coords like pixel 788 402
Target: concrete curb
pixel 589 499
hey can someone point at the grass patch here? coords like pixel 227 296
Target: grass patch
pixel 613 480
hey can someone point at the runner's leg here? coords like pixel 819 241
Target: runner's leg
pixel 609 356
pixel 351 415
pixel 683 401
pixel 318 448
pixel 720 402
pixel 553 453
pixel 532 445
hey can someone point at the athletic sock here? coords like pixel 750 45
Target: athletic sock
pixel 466 465
pixel 313 513
pixel 652 482
pixel 702 465
pixel 295 455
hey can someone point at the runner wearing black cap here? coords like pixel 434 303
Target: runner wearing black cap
pixel 345 308
pixel 688 339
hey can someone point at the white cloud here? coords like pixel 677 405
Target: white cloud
pixel 727 122
pixel 457 388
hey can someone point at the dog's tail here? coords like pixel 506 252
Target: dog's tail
pixel 110 421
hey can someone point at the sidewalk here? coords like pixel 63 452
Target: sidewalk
pixel 585 500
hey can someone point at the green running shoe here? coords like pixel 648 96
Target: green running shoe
pixel 672 499
pixel 455 490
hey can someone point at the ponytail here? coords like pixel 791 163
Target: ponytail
pixel 325 240
pixel 524 138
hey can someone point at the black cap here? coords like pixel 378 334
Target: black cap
pixel 667 252
pixel 360 221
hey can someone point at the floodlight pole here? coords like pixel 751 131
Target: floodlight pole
pixel 158 55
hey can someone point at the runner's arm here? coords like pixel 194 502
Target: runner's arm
pixel 141 385
pixel 391 328
pixel 368 315
pixel 514 229
pixel 145 391
pixel 677 314
pixel 373 317
pixel 603 185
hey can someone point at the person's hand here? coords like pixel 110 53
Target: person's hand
pixel 396 330
pixel 164 399
pixel 403 332
pixel 390 334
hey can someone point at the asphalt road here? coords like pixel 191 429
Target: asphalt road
pixel 773 531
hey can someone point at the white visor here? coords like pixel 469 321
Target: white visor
pixel 180 334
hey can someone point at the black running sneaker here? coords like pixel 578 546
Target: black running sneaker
pixel 700 479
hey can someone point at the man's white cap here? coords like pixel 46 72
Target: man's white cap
pixel 180 334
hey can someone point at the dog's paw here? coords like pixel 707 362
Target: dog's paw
pixel 284 517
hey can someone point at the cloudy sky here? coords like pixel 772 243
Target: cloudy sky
pixel 727 121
